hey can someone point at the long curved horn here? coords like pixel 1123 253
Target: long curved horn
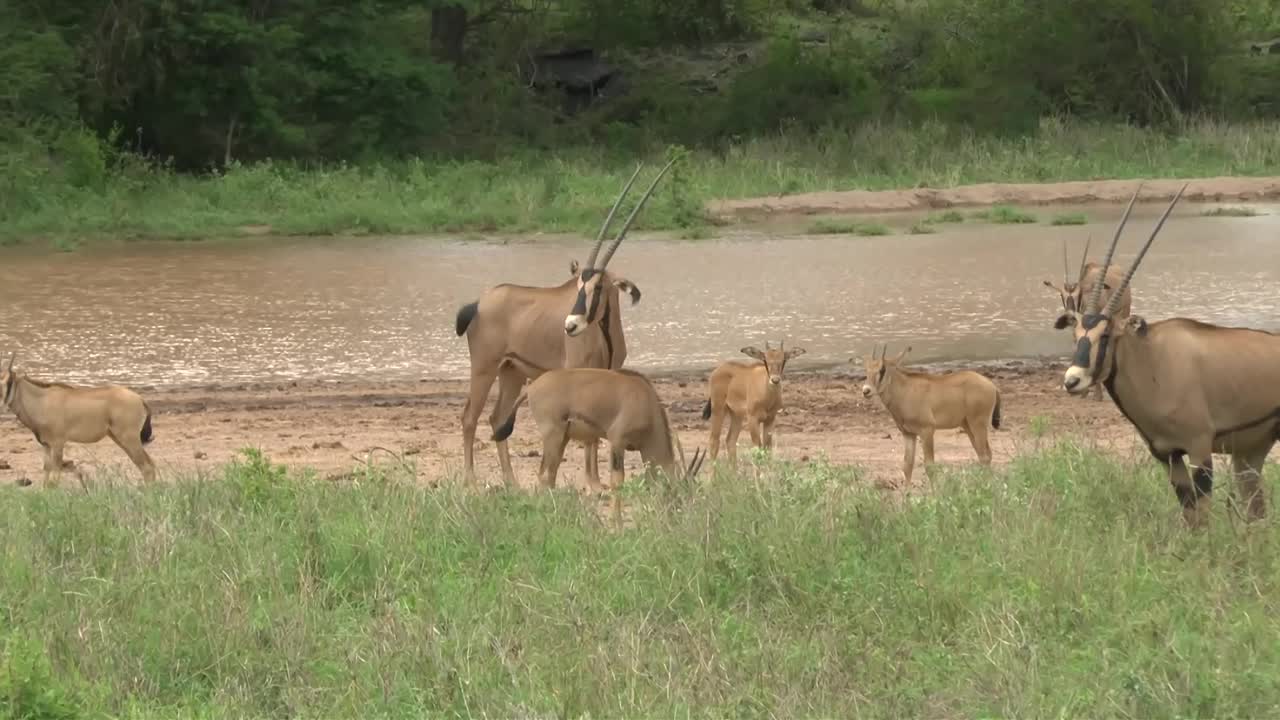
pixel 608 254
pixel 609 218
pixel 1066 272
pixel 1084 259
pixel 1096 296
pixel 1114 302
pixel 12 356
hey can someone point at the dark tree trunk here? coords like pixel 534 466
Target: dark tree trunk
pixel 448 31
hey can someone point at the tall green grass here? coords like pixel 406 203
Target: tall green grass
pixel 569 190
pixel 1065 585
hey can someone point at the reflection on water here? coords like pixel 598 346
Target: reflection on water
pixel 341 308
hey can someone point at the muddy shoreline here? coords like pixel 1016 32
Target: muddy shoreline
pixel 1215 189
pixel 336 428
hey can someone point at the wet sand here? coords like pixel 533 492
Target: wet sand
pixel 336 428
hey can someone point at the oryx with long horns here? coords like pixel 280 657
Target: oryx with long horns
pixel 1189 388
pixel 575 324
pixel 1072 293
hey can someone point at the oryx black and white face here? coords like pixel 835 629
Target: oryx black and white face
pixel 590 303
pixel 1090 361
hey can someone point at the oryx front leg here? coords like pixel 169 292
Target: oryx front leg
pixel 1192 482
pixel 757 432
pixel 1247 469
pixel 768 433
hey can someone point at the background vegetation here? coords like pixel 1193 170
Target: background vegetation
pixel 1064 586
pixel 105 106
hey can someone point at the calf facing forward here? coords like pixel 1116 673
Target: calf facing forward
pixel 921 403
pixel 750 392
pixel 58 414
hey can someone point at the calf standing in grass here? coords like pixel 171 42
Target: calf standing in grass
pixel 921 403
pixel 57 414
pixel 748 392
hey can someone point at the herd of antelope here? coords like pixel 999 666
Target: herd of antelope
pixel 1189 388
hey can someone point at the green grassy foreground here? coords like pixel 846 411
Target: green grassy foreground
pixel 570 190
pixel 1065 586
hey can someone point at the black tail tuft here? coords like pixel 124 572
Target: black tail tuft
pixel 995 413
pixel 706 411
pixel 466 314
pixel 505 429
pixel 146 433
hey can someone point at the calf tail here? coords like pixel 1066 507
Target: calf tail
pixel 706 411
pixel 505 429
pixel 995 413
pixel 466 314
pixel 146 435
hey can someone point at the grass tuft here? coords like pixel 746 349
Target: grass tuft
pixel 922 228
pixel 1062 585
pixel 844 227
pixel 1069 219
pixel 1004 215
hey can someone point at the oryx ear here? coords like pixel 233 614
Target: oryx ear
pixel 752 352
pixel 794 352
pixel 902 354
pixel 1064 320
pixel 574 267
pixel 1052 287
pixel 1137 325
pixel 628 287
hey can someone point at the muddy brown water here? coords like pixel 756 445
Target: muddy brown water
pixel 177 314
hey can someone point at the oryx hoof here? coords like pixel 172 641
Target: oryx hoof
pixel 24 482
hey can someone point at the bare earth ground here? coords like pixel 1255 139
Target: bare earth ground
pixel 1217 189
pixel 334 428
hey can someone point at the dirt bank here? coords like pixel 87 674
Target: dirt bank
pixel 1218 189
pixel 334 428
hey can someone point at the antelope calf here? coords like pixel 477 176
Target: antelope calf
pixel 590 404
pixel 921 403
pixel 750 393
pixel 58 414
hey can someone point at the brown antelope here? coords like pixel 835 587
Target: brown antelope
pixel 1071 293
pixel 750 393
pixel 921 402
pixel 58 414
pixel 1189 388
pixel 575 324
pixel 590 404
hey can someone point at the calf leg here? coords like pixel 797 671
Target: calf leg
pixel 53 464
pixel 1247 469
pixel 554 440
pixel 731 440
pixel 617 474
pixel 926 439
pixel 138 455
pixel 978 437
pixel 908 456
pixel 480 385
pixel 591 453
pixel 717 422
